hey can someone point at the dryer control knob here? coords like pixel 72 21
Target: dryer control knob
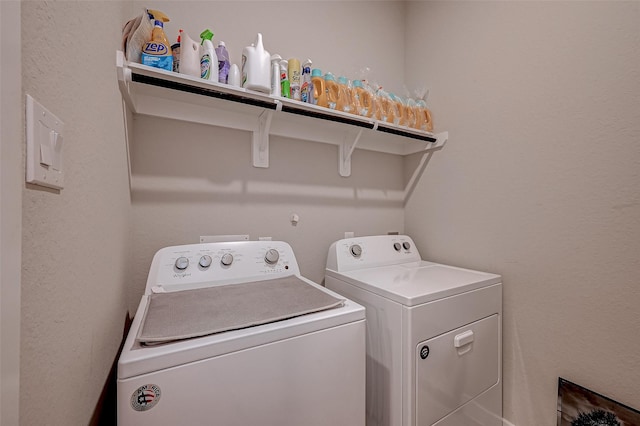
pixel 205 261
pixel 406 245
pixel 397 246
pixel 182 263
pixel 356 250
pixel 226 259
pixel 272 256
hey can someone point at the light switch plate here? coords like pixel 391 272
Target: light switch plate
pixel 44 146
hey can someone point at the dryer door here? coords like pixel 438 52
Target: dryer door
pixel 455 367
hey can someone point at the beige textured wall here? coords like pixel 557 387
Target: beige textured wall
pixel 76 243
pixel 11 174
pixel 191 180
pixel 540 182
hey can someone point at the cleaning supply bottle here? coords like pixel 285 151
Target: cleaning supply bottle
pixel 275 75
pixel 398 105
pixel 333 91
pixel 223 62
pixel 319 88
pixel 234 76
pixel 175 50
pixel 363 99
pixel 285 88
pixel 411 110
pixel 306 89
pixel 256 67
pixel 345 97
pixel 387 107
pixel 294 78
pixel 189 55
pixel 157 51
pixel 208 57
pixel 377 109
pixel 423 120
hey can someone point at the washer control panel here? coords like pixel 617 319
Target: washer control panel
pixel 370 252
pixel 198 265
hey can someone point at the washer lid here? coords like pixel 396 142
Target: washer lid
pixel 415 283
pixel 136 359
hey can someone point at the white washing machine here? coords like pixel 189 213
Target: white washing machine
pixel 231 334
pixel 433 333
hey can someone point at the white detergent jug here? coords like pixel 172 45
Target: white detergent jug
pixel 256 67
pixel 189 55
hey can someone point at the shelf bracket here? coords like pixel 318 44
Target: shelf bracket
pixel 441 139
pixel 260 140
pixel 346 150
pixel 124 78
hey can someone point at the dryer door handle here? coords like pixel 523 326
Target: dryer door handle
pixel 463 339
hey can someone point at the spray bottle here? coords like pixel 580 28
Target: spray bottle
pixel 285 89
pixel 208 57
pixel 276 90
pixel 306 92
pixel 175 49
pixel 223 63
pixel 157 51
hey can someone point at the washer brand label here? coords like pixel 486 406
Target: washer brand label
pixel 145 397
pixel 424 352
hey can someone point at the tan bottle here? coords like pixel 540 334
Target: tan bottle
pixel 423 116
pixel 387 106
pixel 333 91
pixel 346 101
pixel 319 88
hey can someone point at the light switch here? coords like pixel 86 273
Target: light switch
pixel 45 155
pixel 44 146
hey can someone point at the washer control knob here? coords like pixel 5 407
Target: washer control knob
pixel 356 250
pixel 226 259
pixel 406 245
pixel 205 261
pixel 397 246
pixel 182 263
pixel 272 256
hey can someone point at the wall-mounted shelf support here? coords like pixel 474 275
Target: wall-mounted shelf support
pixel 165 94
pixel 346 150
pixel 260 140
pixel 124 78
pixel 441 139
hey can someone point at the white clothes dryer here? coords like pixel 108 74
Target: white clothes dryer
pixel 434 337
pixel 231 334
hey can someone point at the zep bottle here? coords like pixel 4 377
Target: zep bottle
pixel 157 51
